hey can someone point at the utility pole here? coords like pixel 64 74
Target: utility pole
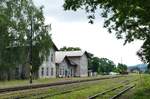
pixel 30 50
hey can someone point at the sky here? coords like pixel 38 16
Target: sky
pixel 72 29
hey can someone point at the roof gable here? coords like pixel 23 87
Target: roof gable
pixel 54 46
pixel 61 55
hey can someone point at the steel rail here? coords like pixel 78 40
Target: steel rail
pixel 127 82
pixel 26 87
pixel 122 92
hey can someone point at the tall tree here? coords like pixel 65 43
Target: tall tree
pixel 122 68
pixel 90 60
pixel 106 66
pixel 15 26
pixel 94 64
pixel 129 19
pixel 101 65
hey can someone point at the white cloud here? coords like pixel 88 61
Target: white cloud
pixel 72 29
pixel 54 8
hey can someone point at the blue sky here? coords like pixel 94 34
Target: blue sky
pixel 72 29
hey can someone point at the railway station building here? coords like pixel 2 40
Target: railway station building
pixel 64 64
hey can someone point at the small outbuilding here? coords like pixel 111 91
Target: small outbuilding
pixel 64 67
pixel 79 58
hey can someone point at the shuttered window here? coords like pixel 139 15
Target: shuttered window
pixel 42 71
pixel 47 71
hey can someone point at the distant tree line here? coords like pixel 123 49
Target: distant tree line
pixel 70 48
pixel 105 66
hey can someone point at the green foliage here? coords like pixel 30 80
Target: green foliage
pixel 70 49
pixel 15 24
pixel 144 52
pixel 128 19
pixel 141 91
pixel 100 65
pixel 106 65
pixel 122 68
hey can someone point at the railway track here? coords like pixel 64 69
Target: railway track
pixel 122 92
pixel 64 91
pixel 19 88
pixel 76 87
pixel 48 94
pixel 43 92
pixel 115 92
pixel 79 89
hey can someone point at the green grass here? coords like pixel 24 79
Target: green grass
pixel 89 88
pixel 13 83
pixel 142 89
pixel 86 89
pixel 93 89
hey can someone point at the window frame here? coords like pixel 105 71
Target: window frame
pixel 47 71
pixel 52 71
pixel 42 71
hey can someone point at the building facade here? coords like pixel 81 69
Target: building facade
pixel 79 59
pixel 64 64
pixel 48 67
pixel 64 67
